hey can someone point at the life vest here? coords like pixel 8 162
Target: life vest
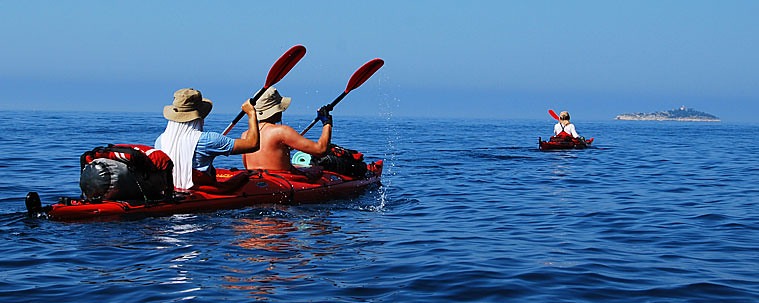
pixel 126 172
pixel 562 136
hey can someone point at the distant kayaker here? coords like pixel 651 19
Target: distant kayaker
pixel 277 140
pixel 193 150
pixel 564 128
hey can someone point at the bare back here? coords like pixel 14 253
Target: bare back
pixel 276 142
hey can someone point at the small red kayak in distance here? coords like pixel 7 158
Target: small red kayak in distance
pixel 555 143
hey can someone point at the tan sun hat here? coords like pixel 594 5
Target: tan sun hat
pixel 271 103
pixel 188 105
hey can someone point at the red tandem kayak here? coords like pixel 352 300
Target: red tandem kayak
pixel 245 188
pixel 558 144
pixel 127 180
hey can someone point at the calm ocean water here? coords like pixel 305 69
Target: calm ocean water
pixel 469 211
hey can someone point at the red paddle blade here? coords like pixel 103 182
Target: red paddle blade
pixel 363 73
pixel 553 114
pixel 284 64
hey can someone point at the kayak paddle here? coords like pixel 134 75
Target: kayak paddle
pixel 278 71
pixel 553 114
pixel 360 76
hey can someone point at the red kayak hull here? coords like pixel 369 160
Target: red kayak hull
pixel 262 187
pixel 560 145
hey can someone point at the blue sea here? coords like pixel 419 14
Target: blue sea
pixel 469 211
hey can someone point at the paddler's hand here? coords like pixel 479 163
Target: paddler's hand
pixel 249 109
pixel 323 115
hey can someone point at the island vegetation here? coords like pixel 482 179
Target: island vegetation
pixel 679 114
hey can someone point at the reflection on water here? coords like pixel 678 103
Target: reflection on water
pixel 277 253
pixel 266 233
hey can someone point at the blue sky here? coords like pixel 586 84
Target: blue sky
pixel 468 59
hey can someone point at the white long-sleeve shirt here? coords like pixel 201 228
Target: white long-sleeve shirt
pixel 570 129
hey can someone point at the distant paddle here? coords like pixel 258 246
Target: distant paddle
pixel 553 114
pixel 360 76
pixel 278 71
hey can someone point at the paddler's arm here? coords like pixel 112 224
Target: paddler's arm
pixel 573 131
pixel 295 141
pixel 250 140
pixel 326 137
pixel 324 140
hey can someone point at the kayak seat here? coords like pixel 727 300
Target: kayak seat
pixel 227 181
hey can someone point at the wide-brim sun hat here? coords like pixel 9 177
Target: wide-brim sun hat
pixel 188 105
pixel 270 103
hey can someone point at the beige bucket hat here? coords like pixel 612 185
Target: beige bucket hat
pixel 188 105
pixel 271 103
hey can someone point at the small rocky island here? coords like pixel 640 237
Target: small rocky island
pixel 679 114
